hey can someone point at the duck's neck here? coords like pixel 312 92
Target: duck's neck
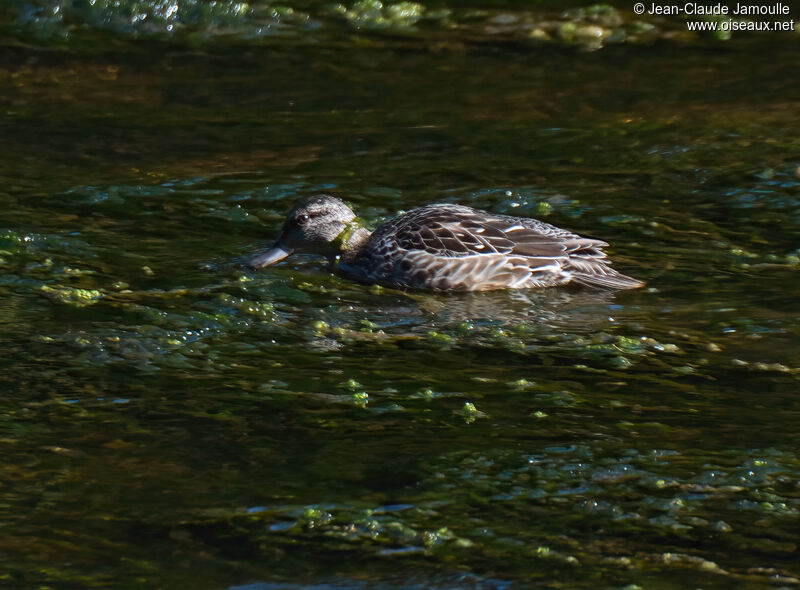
pixel 350 241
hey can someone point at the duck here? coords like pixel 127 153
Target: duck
pixel 444 247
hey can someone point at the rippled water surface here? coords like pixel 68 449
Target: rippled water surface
pixel 171 419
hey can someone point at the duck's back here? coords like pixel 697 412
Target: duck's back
pixel 446 247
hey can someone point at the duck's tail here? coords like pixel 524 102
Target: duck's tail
pixel 600 274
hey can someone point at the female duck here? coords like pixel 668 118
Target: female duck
pixel 444 247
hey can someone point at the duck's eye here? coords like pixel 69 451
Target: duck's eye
pixel 302 218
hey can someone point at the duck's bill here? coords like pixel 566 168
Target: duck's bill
pixel 271 256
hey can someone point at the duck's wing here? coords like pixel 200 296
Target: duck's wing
pixel 451 247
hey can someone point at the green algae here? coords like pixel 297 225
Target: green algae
pixel 71 296
pixel 470 412
pixel 372 14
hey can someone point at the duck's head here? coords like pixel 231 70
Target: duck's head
pixel 316 224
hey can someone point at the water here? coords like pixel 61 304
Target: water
pixel 170 418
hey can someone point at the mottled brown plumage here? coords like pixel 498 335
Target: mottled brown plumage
pixel 445 247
